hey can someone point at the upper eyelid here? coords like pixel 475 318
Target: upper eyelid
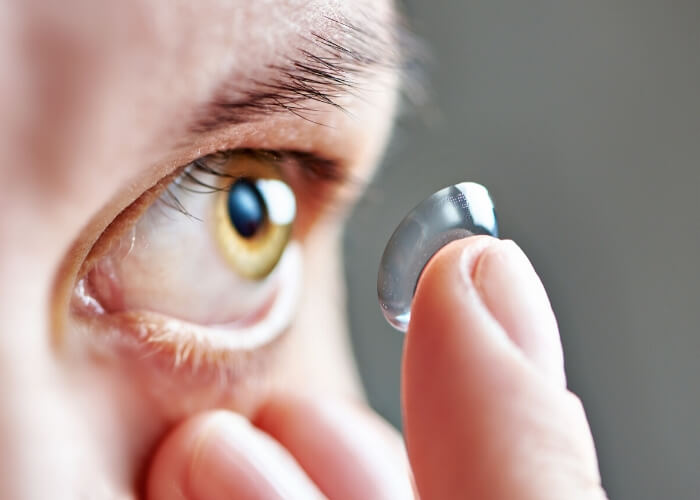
pixel 314 169
pixel 318 167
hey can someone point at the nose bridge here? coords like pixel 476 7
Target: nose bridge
pixel 48 449
pixel 61 432
pixel 35 441
pixel 57 441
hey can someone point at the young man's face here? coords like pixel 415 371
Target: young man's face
pixel 125 304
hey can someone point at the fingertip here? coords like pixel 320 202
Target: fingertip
pixel 449 384
pixel 481 414
pixel 514 295
pixel 495 282
pixel 448 315
pixel 220 455
pixel 348 451
pixel 169 473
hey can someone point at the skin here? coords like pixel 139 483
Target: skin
pixel 95 112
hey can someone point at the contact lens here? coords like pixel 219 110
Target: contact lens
pixel 452 213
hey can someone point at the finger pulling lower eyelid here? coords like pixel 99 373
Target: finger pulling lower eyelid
pixel 347 450
pixel 220 455
pixel 234 458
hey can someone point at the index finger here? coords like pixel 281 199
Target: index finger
pixel 486 412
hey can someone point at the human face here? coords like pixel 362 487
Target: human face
pixel 104 105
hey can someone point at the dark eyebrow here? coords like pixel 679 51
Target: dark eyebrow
pixel 326 68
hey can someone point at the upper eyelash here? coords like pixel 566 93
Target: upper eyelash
pixel 313 167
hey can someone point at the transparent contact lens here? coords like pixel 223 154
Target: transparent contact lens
pixel 452 213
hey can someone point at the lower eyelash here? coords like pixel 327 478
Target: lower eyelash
pixel 221 351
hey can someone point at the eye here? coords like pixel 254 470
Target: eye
pixel 207 247
pixel 253 222
pixel 205 268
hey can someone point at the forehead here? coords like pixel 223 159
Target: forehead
pixel 193 43
pixel 140 69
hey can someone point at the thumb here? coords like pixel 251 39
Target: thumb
pixel 486 411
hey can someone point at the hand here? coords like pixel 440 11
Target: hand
pixel 487 414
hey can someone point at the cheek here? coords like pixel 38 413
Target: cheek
pixel 320 356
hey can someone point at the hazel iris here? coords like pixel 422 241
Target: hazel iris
pixel 253 217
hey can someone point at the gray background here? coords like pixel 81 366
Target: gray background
pixel 583 119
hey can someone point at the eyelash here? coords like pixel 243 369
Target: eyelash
pixel 315 169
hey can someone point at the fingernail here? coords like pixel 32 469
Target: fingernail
pixel 515 296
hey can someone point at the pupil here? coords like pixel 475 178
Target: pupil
pixel 246 208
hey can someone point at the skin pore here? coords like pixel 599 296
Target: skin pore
pixel 114 98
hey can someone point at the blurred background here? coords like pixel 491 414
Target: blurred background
pixel 583 120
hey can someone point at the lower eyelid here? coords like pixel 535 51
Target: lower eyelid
pixel 177 377
pixel 181 349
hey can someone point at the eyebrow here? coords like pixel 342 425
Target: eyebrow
pixel 324 69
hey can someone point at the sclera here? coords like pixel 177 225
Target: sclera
pixel 455 212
